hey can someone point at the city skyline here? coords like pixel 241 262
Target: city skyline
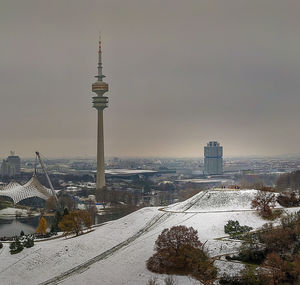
pixel 180 74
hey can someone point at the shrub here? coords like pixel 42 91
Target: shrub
pixel 277 239
pixel 279 271
pixel 1 245
pixel 289 199
pixel 29 242
pixel 16 246
pixel 291 220
pixel 276 249
pixel 275 214
pixel 22 233
pixel 250 253
pixel 234 228
pixel 178 250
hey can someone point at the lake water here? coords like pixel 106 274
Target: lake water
pixel 13 226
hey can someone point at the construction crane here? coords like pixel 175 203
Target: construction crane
pixel 46 173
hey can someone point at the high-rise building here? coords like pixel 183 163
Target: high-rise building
pixel 11 166
pixel 213 158
pixel 100 102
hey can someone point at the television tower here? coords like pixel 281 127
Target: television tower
pixel 100 102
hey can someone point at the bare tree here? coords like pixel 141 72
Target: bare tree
pixel 263 202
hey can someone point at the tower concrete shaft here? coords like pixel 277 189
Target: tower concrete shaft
pixel 100 102
pixel 100 152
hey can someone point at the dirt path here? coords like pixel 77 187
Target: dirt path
pixel 85 265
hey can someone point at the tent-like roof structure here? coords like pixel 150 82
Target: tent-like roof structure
pixel 18 192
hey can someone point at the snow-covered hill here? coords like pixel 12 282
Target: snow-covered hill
pixel 116 252
pixel 216 200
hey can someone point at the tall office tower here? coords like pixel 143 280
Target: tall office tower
pixel 11 166
pixel 100 102
pixel 213 158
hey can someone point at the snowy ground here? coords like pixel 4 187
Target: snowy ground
pixel 217 200
pixel 116 252
pixel 13 212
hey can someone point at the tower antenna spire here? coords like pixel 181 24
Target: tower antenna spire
pixel 100 42
pixel 100 75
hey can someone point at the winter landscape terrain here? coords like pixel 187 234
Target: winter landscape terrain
pixel 116 252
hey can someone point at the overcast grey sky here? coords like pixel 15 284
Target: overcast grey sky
pixel 180 73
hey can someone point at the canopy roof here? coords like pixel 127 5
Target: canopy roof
pixel 18 192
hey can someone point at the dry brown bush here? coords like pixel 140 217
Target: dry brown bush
pixel 289 199
pixel 278 239
pixel 279 271
pixel 179 251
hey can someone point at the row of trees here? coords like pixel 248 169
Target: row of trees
pixel 286 181
pixel 289 181
pixel 72 222
pixel 265 201
pixel 116 196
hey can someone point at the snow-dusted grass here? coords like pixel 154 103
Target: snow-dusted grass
pixel 116 252
pixel 217 200
pixel 52 257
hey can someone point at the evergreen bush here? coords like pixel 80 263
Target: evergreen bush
pixel 29 242
pixel 234 228
pixel 16 246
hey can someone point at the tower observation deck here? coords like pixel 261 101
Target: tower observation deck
pixel 100 102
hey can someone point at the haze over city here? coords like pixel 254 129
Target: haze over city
pixel 149 142
pixel 181 73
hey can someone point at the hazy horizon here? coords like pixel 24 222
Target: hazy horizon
pixel 226 157
pixel 180 73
